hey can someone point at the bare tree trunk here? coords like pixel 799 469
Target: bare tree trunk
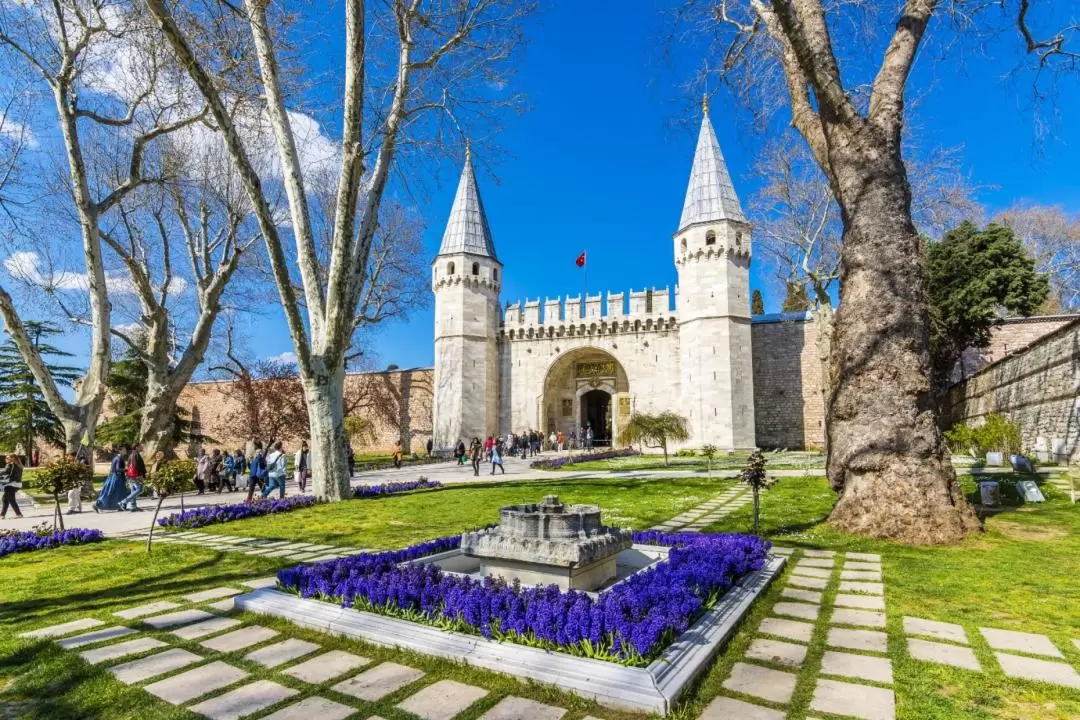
pixel 757 511
pixel 329 465
pixel 825 317
pixel 153 522
pixel 58 519
pixel 886 454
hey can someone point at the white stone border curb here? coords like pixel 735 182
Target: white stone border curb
pixel 653 689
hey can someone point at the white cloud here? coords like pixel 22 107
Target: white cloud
pixel 128 328
pixel 19 132
pixel 285 357
pixel 27 266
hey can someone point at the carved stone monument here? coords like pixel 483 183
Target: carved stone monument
pixel 549 544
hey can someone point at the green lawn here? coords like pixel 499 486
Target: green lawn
pixel 399 520
pixel 737 461
pixel 1023 573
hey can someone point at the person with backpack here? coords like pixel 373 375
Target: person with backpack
pixel 476 451
pixel 276 465
pixel 257 469
pixel 225 472
pixel 11 480
pixel 459 451
pixel 302 463
pixel 239 466
pixel 136 473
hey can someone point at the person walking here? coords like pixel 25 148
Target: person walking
pixel 276 463
pixel 257 468
pixel 496 458
pixel 397 454
pixel 136 474
pixel 239 465
pixel 10 481
pixel 213 472
pixel 74 495
pixel 226 474
pixel 115 488
pixel 302 464
pixel 459 451
pixel 202 470
pixel 552 440
pixel 476 451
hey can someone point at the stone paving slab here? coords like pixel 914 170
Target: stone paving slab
pixel 1077 644
pixel 862 575
pixel 259 583
pixel 182 617
pixel 240 639
pixel 379 681
pixel 776 651
pixel 211 594
pixel 96 636
pixel 442 700
pixel 1034 669
pixel 800 610
pixel 781 551
pixel 761 682
pixel 789 629
pixel 204 628
pixel 851 700
pixel 280 553
pixel 64 629
pixel 313 708
pixel 226 605
pixel 871 640
pixel 326 667
pixel 817 562
pixel 145 668
pixel 195 683
pixel 806 582
pixel 943 654
pixel 862 618
pixel 935 629
pixel 119 650
pixel 148 609
pixel 1020 641
pixel 810 596
pixel 812 572
pixel 868 588
pixel 515 708
pixel 871 557
pixel 724 708
pixel 854 565
pixel 243 701
pixel 819 553
pixel 863 667
pixel 282 652
pixel 862 602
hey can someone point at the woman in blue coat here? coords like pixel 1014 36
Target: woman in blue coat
pixel 115 488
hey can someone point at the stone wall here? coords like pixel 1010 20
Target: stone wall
pixel 789 408
pixel 403 399
pixel 1011 337
pixel 1038 387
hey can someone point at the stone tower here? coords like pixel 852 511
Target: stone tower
pixel 712 256
pixel 466 277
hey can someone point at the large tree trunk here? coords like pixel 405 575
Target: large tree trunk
pixel 824 316
pixel 157 420
pixel 329 466
pixel 886 454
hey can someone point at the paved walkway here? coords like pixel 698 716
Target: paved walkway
pixel 708 512
pixel 306 552
pixel 192 654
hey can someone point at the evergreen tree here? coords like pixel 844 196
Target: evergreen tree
pixel 25 417
pixel 796 299
pixel 127 392
pixel 973 279
pixel 757 304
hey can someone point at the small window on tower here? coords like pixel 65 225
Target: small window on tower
pixel 495 274
pixel 738 239
pixel 710 238
pixel 450 269
pixel 476 268
pixel 684 244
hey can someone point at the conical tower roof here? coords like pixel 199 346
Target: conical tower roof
pixel 710 195
pixel 467 229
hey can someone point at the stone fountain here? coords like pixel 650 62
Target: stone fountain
pixel 549 544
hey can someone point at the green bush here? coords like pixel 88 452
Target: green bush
pixel 995 434
pixel 172 477
pixel 57 478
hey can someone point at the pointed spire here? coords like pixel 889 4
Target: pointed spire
pixel 467 229
pixel 710 196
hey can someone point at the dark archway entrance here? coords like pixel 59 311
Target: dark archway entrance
pixel 596 413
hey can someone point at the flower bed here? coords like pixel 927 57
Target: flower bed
pixel 556 463
pixel 366 491
pixel 213 514
pixel 29 541
pixel 629 623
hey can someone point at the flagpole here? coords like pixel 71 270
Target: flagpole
pixel 585 267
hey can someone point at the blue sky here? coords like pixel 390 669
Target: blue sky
pixel 600 162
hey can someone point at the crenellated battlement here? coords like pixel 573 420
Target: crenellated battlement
pixel 636 311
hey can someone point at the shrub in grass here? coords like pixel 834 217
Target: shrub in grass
pixel 169 478
pixel 629 623
pixel 29 541
pixel 754 476
pixel 57 478
pixel 214 514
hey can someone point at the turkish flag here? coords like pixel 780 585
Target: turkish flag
pixel 580 262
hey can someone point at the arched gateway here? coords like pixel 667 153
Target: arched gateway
pixel 584 388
